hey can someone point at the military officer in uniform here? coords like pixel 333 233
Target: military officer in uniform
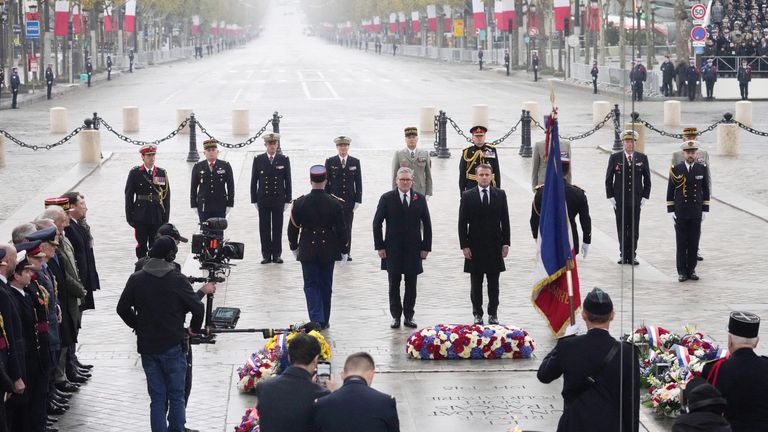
pixel 213 184
pixel 601 376
pixel 318 237
pixel 743 377
pixel 576 201
pixel 109 67
pixel 688 204
pixel 271 194
pixel 89 70
pixel 472 156
pixel 702 157
pixel 15 84
pixel 417 160
pixel 49 80
pixel 147 199
pixel 628 186
pixel 539 162
pixel 345 181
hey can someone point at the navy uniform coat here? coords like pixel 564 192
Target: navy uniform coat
pixel 147 196
pixel 212 189
pixel 271 183
pixel 404 239
pixel 619 177
pixel 576 201
pixel 596 409
pixel 688 191
pixel 356 407
pixel 345 183
pixel 317 228
pixel 285 402
pixel 484 230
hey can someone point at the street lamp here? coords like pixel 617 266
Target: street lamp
pixel 3 20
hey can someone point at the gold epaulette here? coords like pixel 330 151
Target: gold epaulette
pixel 705 202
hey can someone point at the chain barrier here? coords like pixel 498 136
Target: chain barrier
pixel 469 140
pixel 506 135
pixel 710 128
pixel 458 130
pixel 597 127
pixel 533 120
pixel 46 147
pixel 437 132
pixel 750 129
pixel 130 140
pixel 238 145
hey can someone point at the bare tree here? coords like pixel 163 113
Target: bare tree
pixel 622 34
pixel 683 30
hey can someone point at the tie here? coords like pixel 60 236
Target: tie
pixel 413 154
pixel 629 158
pixel 211 165
pixel 270 159
pixel 485 196
pixel 405 201
pixel 344 163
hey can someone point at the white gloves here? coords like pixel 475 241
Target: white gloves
pixel 642 201
pixel 286 206
pixel 256 206
pixel 613 201
pixel 295 253
pixel 572 330
pixel 343 261
pixel 703 216
pixel 674 218
pixel 356 206
pixel 584 250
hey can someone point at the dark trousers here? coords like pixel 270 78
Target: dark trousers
pixel 14 94
pixel 594 85
pixel 349 216
pixel 318 287
pixel 476 293
pixel 27 411
pixel 637 91
pixel 481 64
pixel 145 238
pixel 687 234
pixel 188 379
pixel 109 74
pixel 270 230
pixel 744 90
pixel 691 90
pixel 89 79
pixel 535 73
pixel 710 88
pixel 130 67
pixel 627 243
pixel 50 86
pixel 666 87
pixel 409 297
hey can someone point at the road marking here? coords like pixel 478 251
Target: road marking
pixel 333 92
pixel 306 90
pixel 237 95
pixel 250 74
pixel 170 96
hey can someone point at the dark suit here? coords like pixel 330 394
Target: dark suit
pixel 15 84
pixel 484 229
pixel 687 197
pixel 356 407
pixel 346 183
pixel 80 237
pixel 628 183
pixel 576 201
pixel 212 189
pixel 318 234
pixel 12 355
pixel 271 190
pixel 285 403
pixel 403 243
pixel 48 81
pixel 473 156
pixel 147 204
pixel 742 379
pixel 596 408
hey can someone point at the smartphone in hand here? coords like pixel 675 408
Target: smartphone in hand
pixel 323 373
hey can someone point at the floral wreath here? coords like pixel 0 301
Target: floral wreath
pixel 449 341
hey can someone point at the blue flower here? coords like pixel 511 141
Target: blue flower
pixel 525 351
pixel 476 353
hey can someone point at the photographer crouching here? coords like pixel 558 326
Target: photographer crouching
pixel 154 304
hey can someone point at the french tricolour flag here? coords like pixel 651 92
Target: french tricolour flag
pixel 478 13
pixel 507 13
pixel 130 16
pixel 61 18
pixel 654 338
pixel 377 24
pixel 562 11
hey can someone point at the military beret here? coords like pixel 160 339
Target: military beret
pixel 62 202
pixel 629 134
pixel 163 247
pixel 148 149
pixel 478 130
pixel 690 131
pixel 689 145
pixel 342 140
pixel 210 143
pixel 598 302
pixel 317 173
pixel 271 137
pixel 170 230
pixel 47 235
pixel 744 324
pixel 411 130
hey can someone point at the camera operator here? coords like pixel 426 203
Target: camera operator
pixel 285 403
pixel 155 303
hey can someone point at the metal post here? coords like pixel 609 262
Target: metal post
pixel 442 149
pixel 193 156
pixel 526 150
pixel 276 129
pixel 96 121
pixel 617 146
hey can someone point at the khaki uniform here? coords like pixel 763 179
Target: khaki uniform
pixel 421 165
pixel 539 168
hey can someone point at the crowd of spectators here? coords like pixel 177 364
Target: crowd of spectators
pixel 738 28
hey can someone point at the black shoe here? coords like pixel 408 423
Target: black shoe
pixel 699 258
pixel 80 365
pixel 266 261
pixel 77 379
pixel 56 410
pixel 277 260
pixel 190 430
pixel 324 326
pixel 50 419
pixel 633 262
pixel 51 429
pixel 395 323
pixel 67 386
pixel 682 278
pixel 59 400
pixel 493 319
pixel 621 261
pixel 349 258
pixel 62 394
pixel 84 372
pixel 410 323
pixel 693 276
pixel 479 319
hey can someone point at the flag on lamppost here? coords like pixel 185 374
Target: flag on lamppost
pixel 377 24
pixel 562 11
pixel 432 17
pixel 195 25
pixel 129 25
pixel 448 18
pixel 478 14
pixel 415 24
pixel 61 18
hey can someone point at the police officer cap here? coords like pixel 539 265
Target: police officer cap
pixel 744 324
pixel 411 131
pixel 342 140
pixel 22 263
pixel 478 130
pixel 598 302
pixel 629 134
pixel 148 149
pixel 690 145
pixel 210 143
pixel 31 248
pixel 690 131
pixel 170 230
pixel 699 394
pixel 44 235
pixel 163 247
pixel 317 173
pixel 271 137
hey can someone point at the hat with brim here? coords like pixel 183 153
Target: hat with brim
pixel 629 134
pixel 62 202
pixel 171 230
pixel 47 235
pixel 31 248
pixel 163 247
pixel 411 131
pixel 210 144
pixel 478 130
pixel 598 302
pixel 148 149
pixel 690 145
pixel 271 137
pixel 699 394
pixel 317 173
pixel 342 141
pixel 690 132
pixel 744 324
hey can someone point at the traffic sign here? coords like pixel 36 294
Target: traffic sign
pixel 698 43
pixel 698 33
pixel 533 32
pixel 17 29
pixel 698 11
pixel 33 30
pixel 573 41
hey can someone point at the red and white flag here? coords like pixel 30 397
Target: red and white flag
pixel 393 22
pixel 415 24
pixel 478 13
pixel 195 25
pixel 61 18
pixel 448 18
pixel 130 16
pixel 592 17
pixel 214 30
pixel 432 17
pixel 222 28
pixel 562 12
pixel 77 20
pixel 401 17
pixel 508 13
pixel 377 24
pixel 108 26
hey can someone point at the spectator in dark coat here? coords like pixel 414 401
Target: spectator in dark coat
pixel 79 234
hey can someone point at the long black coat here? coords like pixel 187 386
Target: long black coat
pixel 345 182
pixel 13 355
pixel 577 204
pixel 80 238
pixel 317 228
pixel 212 189
pixel 742 379
pixel 285 402
pixel 688 191
pixel 271 183
pixel 484 230
pixel 619 177
pixel 139 184
pixel 356 407
pixel 404 240
pixel 66 329
pixel 596 409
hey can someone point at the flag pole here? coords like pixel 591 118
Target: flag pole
pixel 570 292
